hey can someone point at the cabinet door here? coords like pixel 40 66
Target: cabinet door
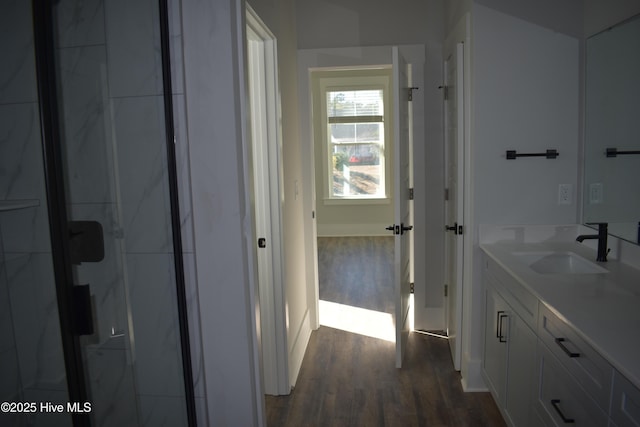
pixel 520 372
pixel 559 399
pixel 495 343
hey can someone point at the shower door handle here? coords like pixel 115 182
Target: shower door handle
pixel 82 310
pixel 86 241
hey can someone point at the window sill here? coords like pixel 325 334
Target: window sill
pixel 362 201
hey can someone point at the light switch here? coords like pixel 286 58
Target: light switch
pixel 595 193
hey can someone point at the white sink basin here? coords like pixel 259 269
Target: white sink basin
pixel 559 263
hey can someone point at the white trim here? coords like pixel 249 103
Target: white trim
pixel 271 280
pixel 473 381
pixel 299 347
pixel 356 201
pixel 329 80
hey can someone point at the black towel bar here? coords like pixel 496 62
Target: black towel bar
pixel 550 154
pixel 613 152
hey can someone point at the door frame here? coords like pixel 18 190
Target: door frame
pixel 346 58
pixel 456 51
pixel 402 265
pixel 268 208
pixel 462 34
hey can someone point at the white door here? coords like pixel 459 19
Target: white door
pixel 402 226
pixel 454 169
pixel 266 180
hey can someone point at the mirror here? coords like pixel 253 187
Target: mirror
pixel 612 130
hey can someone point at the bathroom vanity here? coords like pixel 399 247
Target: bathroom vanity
pixel 561 334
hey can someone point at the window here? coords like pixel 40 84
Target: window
pixel 355 134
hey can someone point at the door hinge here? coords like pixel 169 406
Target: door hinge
pixel 446 290
pixel 411 194
pixel 446 194
pixel 445 92
pixel 411 89
pixel 412 287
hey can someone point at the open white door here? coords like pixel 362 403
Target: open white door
pixel 267 199
pixel 402 122
pixel 454 205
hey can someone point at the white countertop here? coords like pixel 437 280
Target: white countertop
pixel 603 308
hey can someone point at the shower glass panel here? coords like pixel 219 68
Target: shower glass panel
pixel 113 137
pixel 120 236
pixel 32 364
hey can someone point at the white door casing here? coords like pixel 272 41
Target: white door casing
pixel 266 149
pixel 402 226
pixel 454 205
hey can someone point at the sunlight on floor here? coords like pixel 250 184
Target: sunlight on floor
pixel 357 320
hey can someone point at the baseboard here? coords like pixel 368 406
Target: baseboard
pixel 472 377
pixel 345 230
pixel 299 347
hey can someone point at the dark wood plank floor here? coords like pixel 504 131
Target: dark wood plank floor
pixel 357 271
pixel 351 380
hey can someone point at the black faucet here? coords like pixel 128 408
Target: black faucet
pixel 602 240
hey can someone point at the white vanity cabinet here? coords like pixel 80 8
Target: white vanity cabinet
pixel 540 368
pixel 590 370
pixel 559 400
pixel 625 403
pixel 510 344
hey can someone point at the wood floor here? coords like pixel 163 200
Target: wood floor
pixel 351 380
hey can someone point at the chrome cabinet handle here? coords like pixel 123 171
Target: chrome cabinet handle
pixel 568 352
pixel 555 404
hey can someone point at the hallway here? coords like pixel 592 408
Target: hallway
pixel 350 380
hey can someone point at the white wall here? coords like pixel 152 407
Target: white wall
pixel 224 242
pixel 329 23
pixel 599 15
pixel 358 24
pixel 524 97
pixel 351 218
pixel 561 16
pixel 223 239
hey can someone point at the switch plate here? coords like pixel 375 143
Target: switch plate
pixel 565 194
pixel 595 193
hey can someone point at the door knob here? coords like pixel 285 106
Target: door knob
pixel 404 228
pixel 453 228
pixel 394 228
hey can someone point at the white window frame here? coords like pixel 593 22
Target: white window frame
pixel 350 80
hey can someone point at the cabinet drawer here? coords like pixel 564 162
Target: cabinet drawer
pixel 625 406
pixel 560 400
pixel 589 369
pixel 523 302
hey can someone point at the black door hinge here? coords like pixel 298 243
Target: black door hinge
pixel 411 194
pixel 411 89
pixel 446 290
pixel 412 287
